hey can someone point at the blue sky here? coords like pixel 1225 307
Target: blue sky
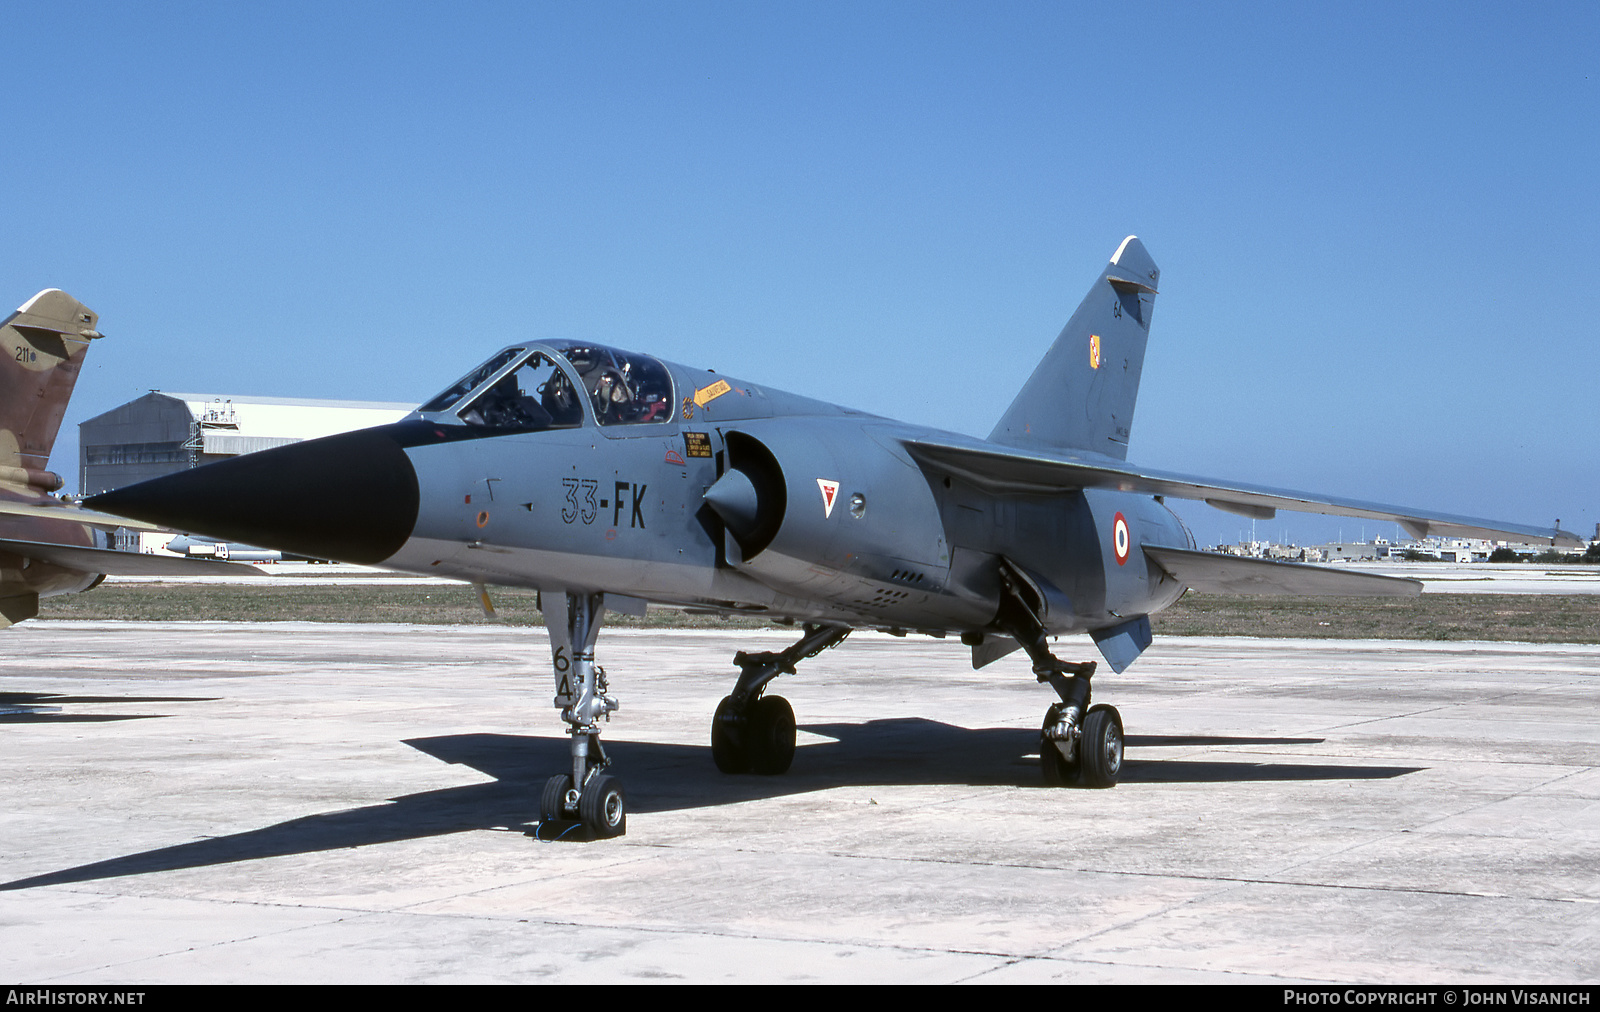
pixel 1376 223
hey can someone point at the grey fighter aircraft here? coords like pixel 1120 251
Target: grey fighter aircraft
pixel 607 479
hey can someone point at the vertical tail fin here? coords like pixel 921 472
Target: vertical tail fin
pixel 1082 394
pixel 42 346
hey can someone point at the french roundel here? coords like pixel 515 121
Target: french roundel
pixel 1120 539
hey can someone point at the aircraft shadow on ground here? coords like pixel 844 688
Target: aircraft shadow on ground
pixel 43 707
pixel 666 777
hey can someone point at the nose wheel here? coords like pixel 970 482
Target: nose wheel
pixel 601 806
pixel 553 801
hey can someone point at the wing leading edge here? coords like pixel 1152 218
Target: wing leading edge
pixel 1000 470
pixel 1215 573
pixel 58 510
pixel 115 563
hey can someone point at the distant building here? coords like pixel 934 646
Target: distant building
pixel 1345 551
pixel 161 433
pixel 1268 550
pixel 1434 548
pixel 1445 549
pixel 1248 549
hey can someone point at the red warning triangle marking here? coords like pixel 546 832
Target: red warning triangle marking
pixel 830 490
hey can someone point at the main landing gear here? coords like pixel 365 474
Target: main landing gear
pixel 1078 743
pixel 586 795
pixel 752 733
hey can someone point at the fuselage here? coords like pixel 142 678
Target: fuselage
pixel 624 512
pixel 574 467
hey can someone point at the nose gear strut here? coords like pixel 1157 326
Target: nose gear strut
pixel 586 794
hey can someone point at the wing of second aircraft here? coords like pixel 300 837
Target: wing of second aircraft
pixel 58 510
pixel 1004 470
pixel 115 563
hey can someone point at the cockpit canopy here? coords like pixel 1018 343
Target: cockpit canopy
pixel 624 387
pixel 528 390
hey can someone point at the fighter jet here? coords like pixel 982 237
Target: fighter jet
pixel 47 545
pixel 609 479
pixel 210 548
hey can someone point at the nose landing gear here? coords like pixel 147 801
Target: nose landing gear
pixel 585 795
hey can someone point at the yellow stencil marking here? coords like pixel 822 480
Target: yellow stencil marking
pixel 711 392
pixel 483 600
pixel 1094 351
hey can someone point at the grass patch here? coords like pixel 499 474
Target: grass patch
pixel 1525 618
pixel 422 604
pixel 1522 618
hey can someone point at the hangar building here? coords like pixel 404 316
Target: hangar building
pixel 160 433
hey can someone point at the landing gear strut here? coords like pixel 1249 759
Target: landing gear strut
pixel 752 733
pixel 586 794
pixel 1078 743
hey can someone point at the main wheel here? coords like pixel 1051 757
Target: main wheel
pixel 770 734
pixel 1100 751
pixel 728 738
pixel 1058 769
pixel 602 806
pixel 553 799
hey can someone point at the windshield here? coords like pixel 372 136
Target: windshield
pixel 534 395
pixel 470 381
pixel 625 388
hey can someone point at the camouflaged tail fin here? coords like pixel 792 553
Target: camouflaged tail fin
pixel 1082 394
pixel 42 346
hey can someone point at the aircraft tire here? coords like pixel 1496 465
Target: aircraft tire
pixel 603 808
pixel 770 736
pixel 552 799
pixel 1058 770
pixel 1100 762
pixel 728 728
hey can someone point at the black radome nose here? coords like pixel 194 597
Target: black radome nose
pixel 351 497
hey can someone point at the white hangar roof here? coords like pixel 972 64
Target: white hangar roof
pixel 232 423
